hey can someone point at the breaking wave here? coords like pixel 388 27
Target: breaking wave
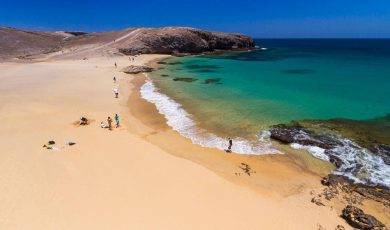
pixel 181 121
pixel 357 163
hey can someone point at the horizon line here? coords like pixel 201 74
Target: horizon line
pixel 254 37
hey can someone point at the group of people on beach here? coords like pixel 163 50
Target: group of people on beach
pixel 109 122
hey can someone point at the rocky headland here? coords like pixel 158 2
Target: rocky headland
pixel 22 44
pixel 176 40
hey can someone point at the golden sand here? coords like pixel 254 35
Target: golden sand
pixel 142 175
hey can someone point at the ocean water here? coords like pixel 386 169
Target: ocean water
pixel 240 95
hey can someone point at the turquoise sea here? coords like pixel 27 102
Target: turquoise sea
pixel 241 94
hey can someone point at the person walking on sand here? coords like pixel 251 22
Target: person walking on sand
pixel 116 92
pixel 114 79
pixel 117 120
pixel 109 121
pixel 115 64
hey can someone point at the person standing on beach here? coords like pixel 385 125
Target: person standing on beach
pixel 114 79
pixel 230 144
pixel 115 64
pixel 109 121
pixel 116 92
pixel 117 120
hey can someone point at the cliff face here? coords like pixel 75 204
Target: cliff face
pixel 171 40
pixel 166 40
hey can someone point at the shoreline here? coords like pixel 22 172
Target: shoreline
pixel 179 113
pixel 223 164
pixel 139 172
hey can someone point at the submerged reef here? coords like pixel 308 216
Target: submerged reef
pixel 185 79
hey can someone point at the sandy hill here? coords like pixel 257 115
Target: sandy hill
pixel 15 42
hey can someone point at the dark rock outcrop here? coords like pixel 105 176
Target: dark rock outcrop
pixel 335 180
pixel 380 194
pixel 295 133
pixel 176 40
pixel 358 219
pixel 136 69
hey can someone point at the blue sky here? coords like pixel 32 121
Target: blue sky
pixel 273 18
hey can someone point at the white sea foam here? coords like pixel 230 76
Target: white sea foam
pixel 313 150
pixel 362 165
pixel 358 164
pixel 182 122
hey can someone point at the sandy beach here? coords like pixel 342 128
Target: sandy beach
pixel 142 175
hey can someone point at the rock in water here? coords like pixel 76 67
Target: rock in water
pixel 185 79
pixel 358 219
pixel 136 69
pixel 212 80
